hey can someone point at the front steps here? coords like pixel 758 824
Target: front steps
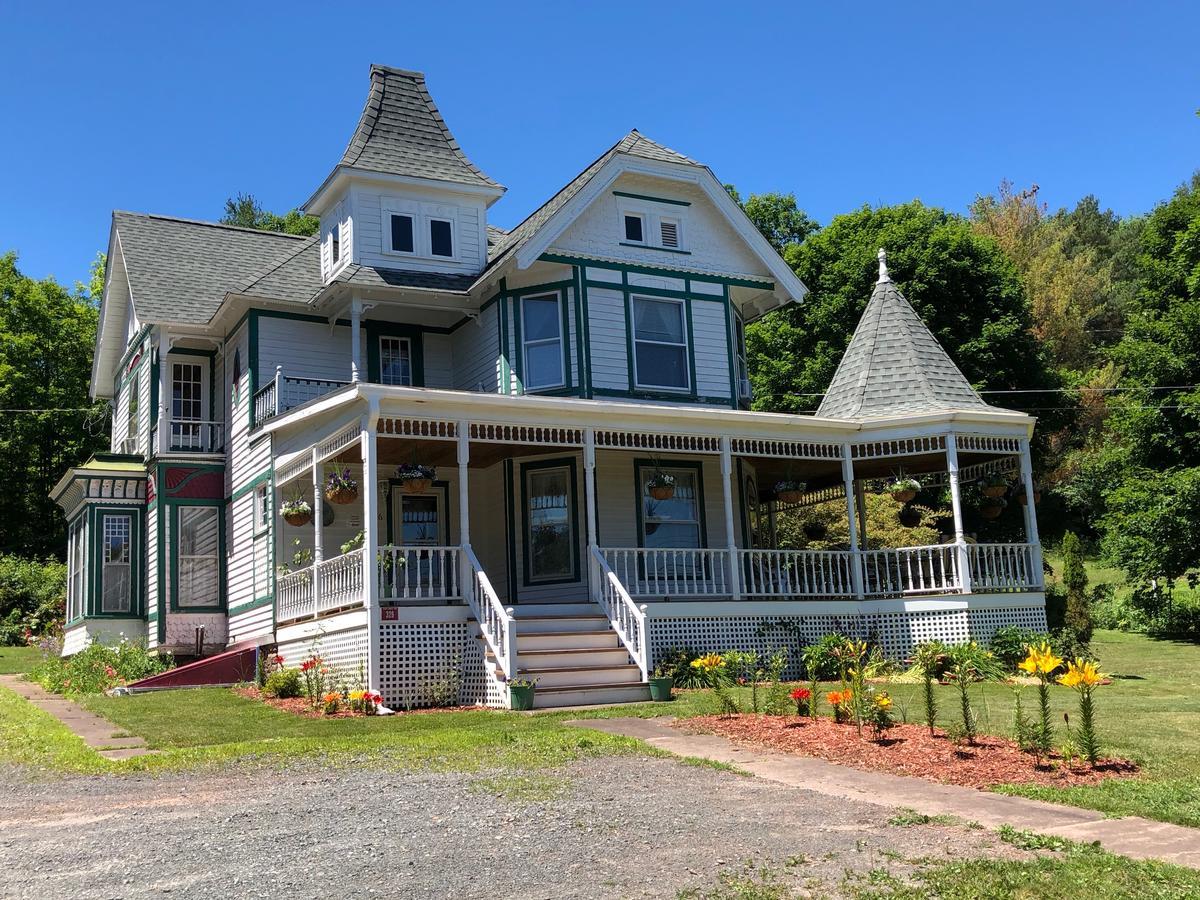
pixel 575 657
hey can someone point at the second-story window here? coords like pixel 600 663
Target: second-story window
pixel 401 232
pixel 635 228
pixel 335 242
pixel 743 370
pixel 395 360
pixel 135 391
pixel 186 389
pixel 660 351
pixel 441 237
pixel 543 350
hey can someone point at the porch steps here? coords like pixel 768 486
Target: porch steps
pixel 601 639
pixel 574 624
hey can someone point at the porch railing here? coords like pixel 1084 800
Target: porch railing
pixel 496 622
pixel 662 572
pixel 419 573
pixel 910 570
pixel 294 595
pixel 1003 567
pixel 340 581
pixel 791 573
pixel 195 436
pixel 284 392
pixel 627 618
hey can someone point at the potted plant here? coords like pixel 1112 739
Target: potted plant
pixel 909 516
pixel 992 507
pixel 661 485
pixel 520 693
pixel 994 485
pixel 414 478
pixel 904 490
pixel 297 511
pixel 789 491
pixel 341 488
pixel 815 530
pixel 662 681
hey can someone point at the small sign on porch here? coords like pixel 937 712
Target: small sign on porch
pixel 389 614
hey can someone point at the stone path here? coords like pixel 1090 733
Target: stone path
pixel 99 734
pixel 1130 836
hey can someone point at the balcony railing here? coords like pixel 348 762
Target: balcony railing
pixel 1003 567
pixel 195 436
pixel 796 573
pixel 284 392
pixel 670 572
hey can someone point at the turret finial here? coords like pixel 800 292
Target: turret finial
pixel 883 272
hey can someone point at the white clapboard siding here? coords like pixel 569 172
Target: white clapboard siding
pixel 609 353
pixel 252 623
pixel 470 242
pixel 711 348
pixel 304 349
pixel 439 359
pixel 475 348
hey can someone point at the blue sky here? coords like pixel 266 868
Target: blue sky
pixel 172 107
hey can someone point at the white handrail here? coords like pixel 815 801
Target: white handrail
pixel 419 572
pixel 899 571
pixel 627 619
pixel 670 571
pixel 1003 567
pixel 496 622
pixel 808 573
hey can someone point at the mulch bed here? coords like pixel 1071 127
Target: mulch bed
pixel 299 706
pixel 907 750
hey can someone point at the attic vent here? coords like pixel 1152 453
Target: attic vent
pixel 670 233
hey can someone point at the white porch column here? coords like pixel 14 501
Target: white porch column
pixel 1031 527
pixel 856 567
pixel 318 476
pixel 464 502
pixel 370 546
pixel 735 586
pixel 960 541
pixel 355 338
pixel 860 507
pixel 589 506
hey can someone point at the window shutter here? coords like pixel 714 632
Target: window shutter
pixel 670 233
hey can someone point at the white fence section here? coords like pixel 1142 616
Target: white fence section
pixel 627 618
pixel 910 570
pixel 791 573
pixel 497 623
pixel 1003 567
pixel 419 573
pixel 659 572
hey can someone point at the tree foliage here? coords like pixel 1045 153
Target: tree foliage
pixel 244 211
pixel 47 334
pixel 778 217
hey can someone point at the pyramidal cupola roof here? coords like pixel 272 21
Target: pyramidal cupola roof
pixel 401 132
pixel 894 364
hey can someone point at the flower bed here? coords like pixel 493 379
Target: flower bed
pixel 302 706
pixel 907 750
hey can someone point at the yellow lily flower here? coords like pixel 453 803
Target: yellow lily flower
pixel 1081 673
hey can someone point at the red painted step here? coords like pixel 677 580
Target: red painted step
pixel 234 665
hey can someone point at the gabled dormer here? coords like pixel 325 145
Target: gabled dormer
pixel 403 196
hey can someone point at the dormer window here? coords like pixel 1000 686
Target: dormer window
pixel 441 237
pixel 335 242
pixel 425 230
pixel 635 228
pixel 402 233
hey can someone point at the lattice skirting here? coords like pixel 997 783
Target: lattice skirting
pixel 421 661
pixel 896 632
pixel 343 651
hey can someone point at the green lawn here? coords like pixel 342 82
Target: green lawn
pixel 18 659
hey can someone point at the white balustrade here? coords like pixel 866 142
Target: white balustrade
pixel 294 595
pixel 196 436
pixel 670 572
pixel 419 573
pixel 1003 567
pixel 627 618
pixel 340 581
pixel 903 571
pixel 792 573
pixel 496 622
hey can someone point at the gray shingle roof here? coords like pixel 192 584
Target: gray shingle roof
pixel 633 144
pixel 894 364
pixel 371 276
pixel 180 270
pixel 401 132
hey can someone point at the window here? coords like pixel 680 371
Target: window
pixel 186 389
pixel 395 360
pixel 197 569
pixel 335 242
pixel 634 228
pixel 677 522
pixel 401 233
pixel 743 371
pixel 551 551
pixel 660 344
pixel 262 508
pixel 543 348
pixel 669 233
pixel 135 391
pixel 237 373
pixel 116 585
pixel 76 566
pixel 441 241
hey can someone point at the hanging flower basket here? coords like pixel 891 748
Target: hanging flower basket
pixel 909 516
pixel 815 531
pixel 341 488
pixel 789 491
pixel 296 512
pixel 415 478
pixel 661 485
pixel 904 490
pixel 1037 497
pixel 994 486
pixel 992 508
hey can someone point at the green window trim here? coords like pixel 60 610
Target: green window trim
pixel 568 463
pixel 413 334
pixel 95 563
pixel 560 298
pixel 639 481
pixel 171 508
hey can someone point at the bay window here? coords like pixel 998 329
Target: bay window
pixel 197 560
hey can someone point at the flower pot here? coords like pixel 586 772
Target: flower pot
pixel 415 485
pixel 995 490
pixel 789 496
pixel 815 531
pixel 663 492
pixel 520 698
pixel 341 496
pixel 909 517
pixel 297 519
pixel 660 688
pixel 1037 498
pixel 991 511
pixel 905 496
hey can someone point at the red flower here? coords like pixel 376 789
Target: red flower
pixel 801 693
pixel 308 665
pixel 278 660
pixel 110 671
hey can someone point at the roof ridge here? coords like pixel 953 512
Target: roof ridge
pixel 209 224
pixel 300 248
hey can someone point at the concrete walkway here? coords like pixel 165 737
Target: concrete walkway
pixel 1128 835
pixel 99 734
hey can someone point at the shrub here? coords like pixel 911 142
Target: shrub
pixel 1078 614
pixel 98 667
pixel 821 658
pixel 1010 644
pixel 32 597
pixel 284 684
pixel 677 662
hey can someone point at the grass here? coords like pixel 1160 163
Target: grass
pixel 18 660
pixel 35 739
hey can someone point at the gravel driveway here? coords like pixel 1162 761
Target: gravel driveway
pixel 609 827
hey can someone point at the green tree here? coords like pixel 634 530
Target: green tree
pixel 778 217
pixel 1075 579
pixel 244 211
pixel 47 334
pixel 963 286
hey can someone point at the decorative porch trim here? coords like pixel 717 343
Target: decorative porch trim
pixel 649 440
pixel 786 449
pixel 914 446
pixel 987 443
